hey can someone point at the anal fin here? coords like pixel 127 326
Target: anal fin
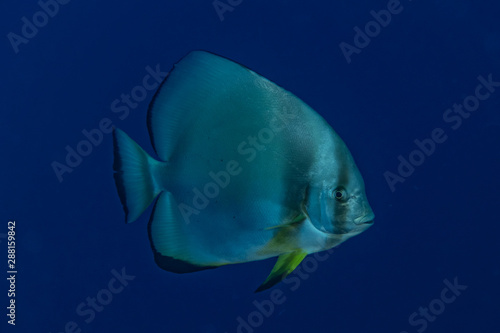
pixel 168 235
pixel 286 263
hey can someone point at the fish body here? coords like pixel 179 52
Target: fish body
pixel 245 171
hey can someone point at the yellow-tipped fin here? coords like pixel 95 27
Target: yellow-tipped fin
pixel 285 265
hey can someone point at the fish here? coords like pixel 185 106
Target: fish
pixel 244 171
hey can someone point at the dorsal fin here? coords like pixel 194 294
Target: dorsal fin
pixel 200 83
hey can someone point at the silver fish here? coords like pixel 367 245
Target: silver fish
pixel 245 171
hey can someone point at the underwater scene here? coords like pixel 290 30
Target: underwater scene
pixel 250 166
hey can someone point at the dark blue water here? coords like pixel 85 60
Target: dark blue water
pixel 431 261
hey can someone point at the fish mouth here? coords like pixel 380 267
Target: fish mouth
pixel 365 219
pixel 357 229
pixel 358 225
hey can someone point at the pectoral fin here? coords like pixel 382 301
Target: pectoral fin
pixel 294 222
pixel 285 265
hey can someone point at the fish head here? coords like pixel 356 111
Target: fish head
pixel 339 205
pixel 347 210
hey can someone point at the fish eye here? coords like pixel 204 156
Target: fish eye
pixel 339 194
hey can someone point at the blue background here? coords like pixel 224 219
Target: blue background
pixel 441 223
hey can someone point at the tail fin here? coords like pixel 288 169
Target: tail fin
pixel 136 175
